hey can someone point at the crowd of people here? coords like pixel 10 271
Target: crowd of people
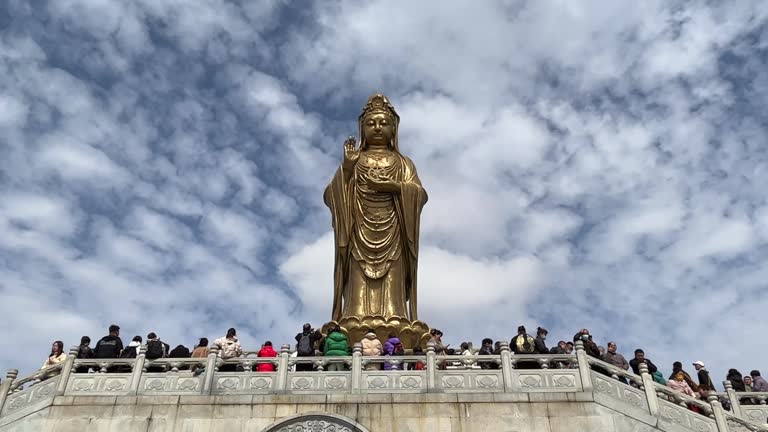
pixel 310 342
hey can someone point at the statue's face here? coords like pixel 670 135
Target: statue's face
pixel 378 130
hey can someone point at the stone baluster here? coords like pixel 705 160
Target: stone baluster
pixel 718 413
pixel 5 386
pixel 282 368
pixel 357 367
pixel 431 368
pixel 584 369
pixel 138 369
pixel 66 370
pixel 210 370
pixel 733 398
pixel 650 389
pixel 506 366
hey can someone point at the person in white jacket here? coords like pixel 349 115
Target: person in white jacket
pixel 57 356
pixel 372 347
pixel 229 347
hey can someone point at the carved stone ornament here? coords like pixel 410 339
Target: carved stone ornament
pixel 316 423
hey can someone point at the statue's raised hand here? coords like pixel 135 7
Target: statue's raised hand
pixel 351 153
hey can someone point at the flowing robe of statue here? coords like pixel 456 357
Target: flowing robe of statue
pixel 376 234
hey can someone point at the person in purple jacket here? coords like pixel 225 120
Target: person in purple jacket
pixel 393 347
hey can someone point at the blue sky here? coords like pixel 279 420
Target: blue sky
pixel 597 166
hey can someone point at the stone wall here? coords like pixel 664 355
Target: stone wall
pixel 553 412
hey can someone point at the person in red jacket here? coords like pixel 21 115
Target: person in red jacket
pixel 266 351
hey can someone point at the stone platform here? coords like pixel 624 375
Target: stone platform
pixel 452 393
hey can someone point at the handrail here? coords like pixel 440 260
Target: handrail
pixel 682 399
pixel 616 372
pixel 753 427
pixel 104 363
pixel 34 378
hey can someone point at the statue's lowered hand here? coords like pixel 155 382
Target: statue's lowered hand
pixel 384 184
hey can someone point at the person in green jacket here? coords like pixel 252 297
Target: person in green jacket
pixel 336 344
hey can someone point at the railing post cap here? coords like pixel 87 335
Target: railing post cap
pixel 285 348
pixel 431 347
pixel 74 349
pixel 142 350
pixel 215 349
pixel 12 374
pixel 579 345
pixel 728 385
pixel 643 368
pixel 357 348
pixel 712 398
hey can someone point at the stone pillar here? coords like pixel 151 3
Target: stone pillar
pixel 210 369
pixel 282 368
pixel 650 390
pixel 66 370
pixel 357 367
pixel 431 368
pixel 733 398
pixel 718 413
pixel 584 370
pixel 138 369
pixel 506 367
pixel 5 386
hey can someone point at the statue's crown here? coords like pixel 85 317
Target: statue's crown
pixel 378 103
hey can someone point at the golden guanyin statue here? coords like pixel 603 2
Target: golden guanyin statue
pixel 376 199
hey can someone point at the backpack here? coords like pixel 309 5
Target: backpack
pixel 129 352
pixel 399 350
pixel 659 378
pixel 155 350
pixel 304 346
pixel 526 344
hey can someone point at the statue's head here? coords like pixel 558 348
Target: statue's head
pixel 378 123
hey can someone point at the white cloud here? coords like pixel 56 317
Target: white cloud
pixel 172 155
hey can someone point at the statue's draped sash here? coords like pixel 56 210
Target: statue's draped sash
pixel 340 197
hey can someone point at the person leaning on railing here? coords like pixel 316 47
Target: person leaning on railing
pixel 56 357
pixel 678 383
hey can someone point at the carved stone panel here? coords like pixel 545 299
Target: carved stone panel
pixel 318 382
pixel 755 413
pixel 611 391
pixel 316 423
pixel 175 383
pixel 560 380
pixel 471 381
pixel 686 418
pixel 98 384
pixel 31 395
pixel 400 381
pixel 243 382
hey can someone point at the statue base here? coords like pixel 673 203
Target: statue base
pixel 411 333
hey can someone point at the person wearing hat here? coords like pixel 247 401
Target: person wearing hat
pixel 540 342
pixel 677 367
pixel 705 382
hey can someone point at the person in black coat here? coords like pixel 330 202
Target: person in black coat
pixel 541 341
pixel 180 352
pixel 734 376
pixel 640 358
pixel 110 346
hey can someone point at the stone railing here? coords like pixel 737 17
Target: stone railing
pixel 645 397
pixel 530 377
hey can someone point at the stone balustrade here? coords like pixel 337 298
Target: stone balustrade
pixel 524 378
